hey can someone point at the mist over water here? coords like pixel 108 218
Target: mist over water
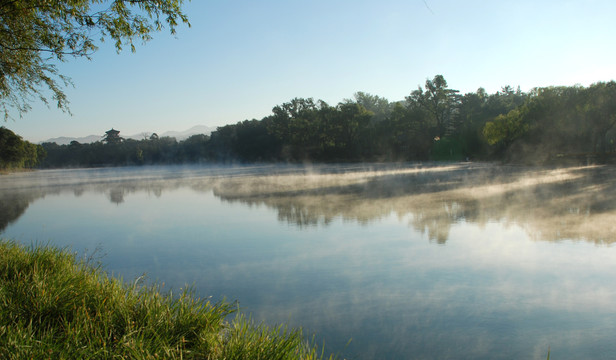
pixel 407 260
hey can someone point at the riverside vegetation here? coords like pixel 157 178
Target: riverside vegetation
pixel 544 126
pixel 54 305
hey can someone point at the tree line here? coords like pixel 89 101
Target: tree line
pixel 434 122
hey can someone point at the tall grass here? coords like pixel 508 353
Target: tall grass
pixel 53 305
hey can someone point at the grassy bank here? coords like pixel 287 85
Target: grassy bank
pixel 53 305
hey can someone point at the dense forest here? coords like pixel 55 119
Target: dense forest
pixel 435 122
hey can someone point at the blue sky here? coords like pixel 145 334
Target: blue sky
pixel 241 58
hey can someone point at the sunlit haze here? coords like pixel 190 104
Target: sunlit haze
pixel 241 58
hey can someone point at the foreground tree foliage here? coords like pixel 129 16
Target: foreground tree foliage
pixel 554 124
pixel 55 306
pixel 37 34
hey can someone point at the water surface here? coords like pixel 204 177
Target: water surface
pixel 406 261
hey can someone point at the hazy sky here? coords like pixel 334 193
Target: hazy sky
pixel 241 58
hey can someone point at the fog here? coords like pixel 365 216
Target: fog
pixel 575 203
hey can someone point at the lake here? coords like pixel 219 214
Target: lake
pixel 405 261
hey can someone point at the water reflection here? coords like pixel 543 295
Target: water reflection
pixel 344 251
pixel 552 204
pixel 12 206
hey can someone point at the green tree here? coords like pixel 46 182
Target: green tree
pixel 355 130
pixel 221 143
pixel 37 34
pixel 474 111
pixel 599 112
pixel 440 102
pixel 254 142
pixel 193 148
pixel 11 149
pixel 17 153
pixel 379 106
pixel 406 133
pixel 297 124
pixel 471 119
pixel 504 129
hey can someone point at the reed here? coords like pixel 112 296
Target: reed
pixel 53 305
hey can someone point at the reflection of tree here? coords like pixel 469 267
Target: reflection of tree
pixel 552 204
pixel 437 226
pixel 116 195
pixel 572 203
pixel 300 215
pixel 12 206
pixel 15 200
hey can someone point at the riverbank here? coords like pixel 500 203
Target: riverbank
pixel 54 305
pixel 15 170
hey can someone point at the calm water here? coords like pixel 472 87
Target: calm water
pixel 465 261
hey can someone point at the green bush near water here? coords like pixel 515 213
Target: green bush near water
pixel 54 306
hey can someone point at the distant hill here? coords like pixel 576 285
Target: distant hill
pixel 178 135
pixel 65 140
pixel 182 135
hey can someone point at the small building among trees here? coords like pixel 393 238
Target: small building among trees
pixel 112 137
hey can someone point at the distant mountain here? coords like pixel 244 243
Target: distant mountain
pixel 195 130
pixel 178 135
pixel 65 140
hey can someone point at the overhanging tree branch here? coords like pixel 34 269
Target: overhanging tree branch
pixel 61 28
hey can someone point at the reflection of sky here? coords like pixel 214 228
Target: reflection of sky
pixel 490 291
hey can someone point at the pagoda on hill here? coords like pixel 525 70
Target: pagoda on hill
pixel 112 137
